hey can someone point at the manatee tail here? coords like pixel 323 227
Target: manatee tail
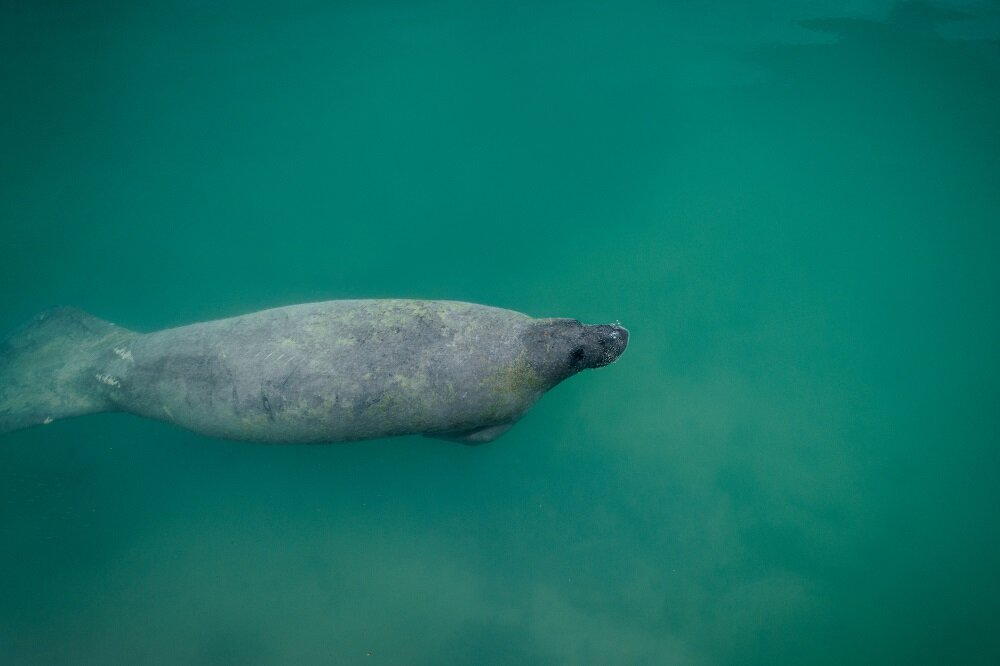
pixel 47 367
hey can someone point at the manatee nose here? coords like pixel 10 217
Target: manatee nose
pixel 617 340
pixel 613 339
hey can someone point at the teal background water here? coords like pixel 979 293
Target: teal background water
pixel 792 206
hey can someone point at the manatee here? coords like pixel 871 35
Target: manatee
pixel 332 371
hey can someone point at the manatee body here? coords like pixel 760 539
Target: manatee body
pixel 317 372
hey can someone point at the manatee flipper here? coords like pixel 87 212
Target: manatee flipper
pixel 473 436
pixel 50 368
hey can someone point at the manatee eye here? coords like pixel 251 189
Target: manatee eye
pixel 576 356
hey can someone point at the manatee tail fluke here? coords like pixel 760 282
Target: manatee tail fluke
pixel 49 367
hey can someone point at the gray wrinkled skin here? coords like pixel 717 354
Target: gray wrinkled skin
pixel 318 372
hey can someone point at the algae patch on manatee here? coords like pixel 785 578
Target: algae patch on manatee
pixel 511 386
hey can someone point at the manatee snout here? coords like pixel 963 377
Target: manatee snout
pixel 604 343
pixel 560 348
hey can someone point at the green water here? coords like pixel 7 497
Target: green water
pixel 792 206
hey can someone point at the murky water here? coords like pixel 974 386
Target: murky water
pixel 792 207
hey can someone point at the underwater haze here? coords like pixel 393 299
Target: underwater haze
pixel 792 206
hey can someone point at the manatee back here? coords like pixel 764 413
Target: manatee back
pixel 337 370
